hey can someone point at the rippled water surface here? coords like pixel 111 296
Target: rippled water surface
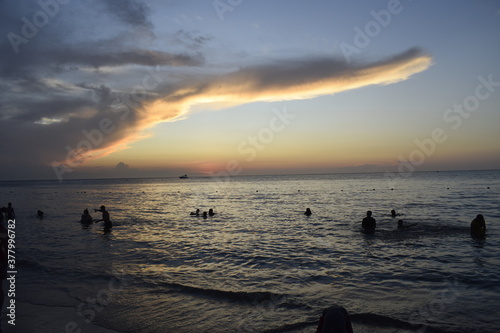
pixel 259 264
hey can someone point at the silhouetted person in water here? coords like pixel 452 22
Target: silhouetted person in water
pixel 105 218
pixel 11 215
pixel 369 223
pixel 39 214
pixel 197 213
pixel 394 214
pixel 334 319
pixel 308 212
pixel 478 227
pixel 211 212
pixel 205 215
pixel 403 226
pixel 87 218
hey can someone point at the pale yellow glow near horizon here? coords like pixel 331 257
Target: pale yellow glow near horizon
pixel 204 154
pixel 278 156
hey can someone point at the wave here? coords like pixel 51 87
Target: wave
pixel 368 320
pixel 376 320
pixel 70 273
pixel 240 296
pixel 422 230
pixel 249 297
pixel 293 327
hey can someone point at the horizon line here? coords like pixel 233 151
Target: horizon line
pixel 248 175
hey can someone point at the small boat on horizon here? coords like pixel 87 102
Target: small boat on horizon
pixel 183 177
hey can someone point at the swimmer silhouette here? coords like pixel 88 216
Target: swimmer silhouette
pixel 86 218
pixel 478 227
pixel 394 214
pixel 204 215
pixel 308 212
pixel 105 218
pixel 11 215
pixel 39 214
pixel 197 213
pixel 402 226
pixel 211 212
pixel 369 224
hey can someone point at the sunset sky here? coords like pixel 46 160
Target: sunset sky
pixel 108 88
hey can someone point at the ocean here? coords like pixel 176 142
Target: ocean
pixel 259 264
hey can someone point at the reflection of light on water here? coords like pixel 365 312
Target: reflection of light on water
pixel 260 242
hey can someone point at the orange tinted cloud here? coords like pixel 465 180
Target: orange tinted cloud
pixel 286 80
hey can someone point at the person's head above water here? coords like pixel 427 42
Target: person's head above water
pixel 393 212
pixel 478 226
pixel 369 213
pixel 103 208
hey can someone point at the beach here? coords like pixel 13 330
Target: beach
pixel 259 264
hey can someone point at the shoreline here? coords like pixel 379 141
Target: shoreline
pixel 32 318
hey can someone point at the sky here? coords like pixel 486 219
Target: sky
pixel 128 88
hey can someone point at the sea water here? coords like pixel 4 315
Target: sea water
pixel 260 264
